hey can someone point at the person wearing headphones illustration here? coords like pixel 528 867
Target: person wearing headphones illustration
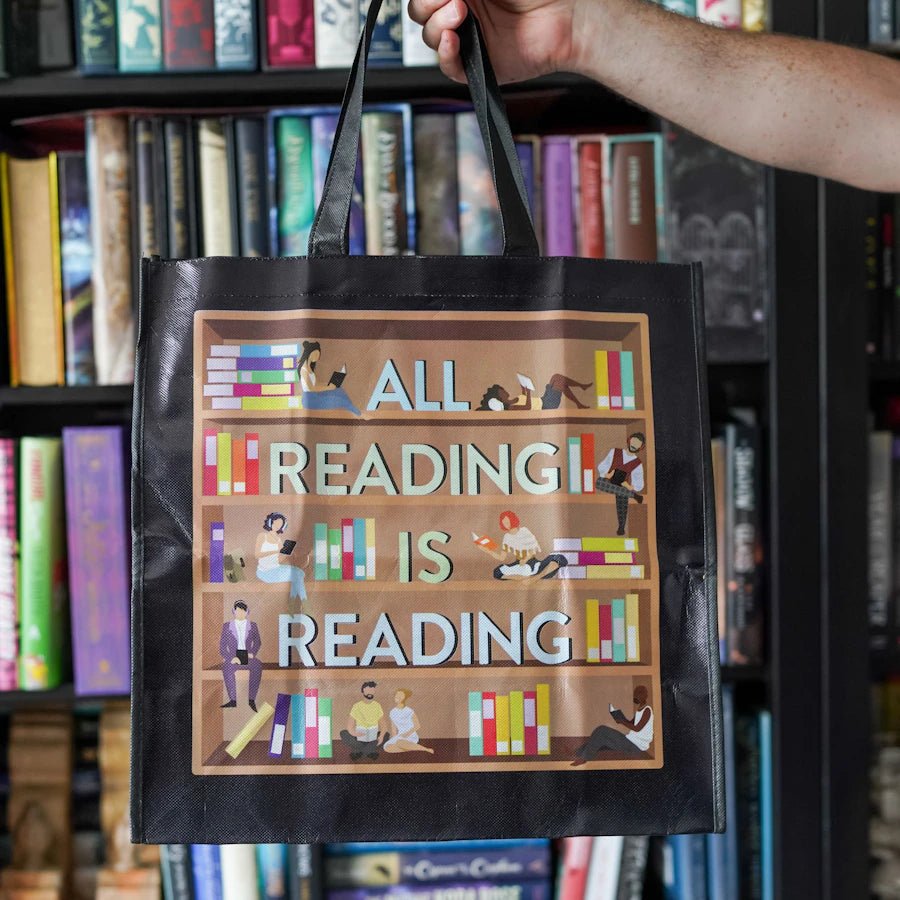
pixel 273 557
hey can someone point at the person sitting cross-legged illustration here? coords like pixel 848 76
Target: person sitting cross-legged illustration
pixel 363 725
pixel 635 740
pixel 622 474
pixel 239 647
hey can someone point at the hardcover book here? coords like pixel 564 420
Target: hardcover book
pixel 437 196
pixel 252 183
pixel 632 183
pixel 559 221
pixel 150 196
pixel 305 871
pixel 175 860
pixel 725 13
pixel 337 28
pixel 109 189
pixel 207 868
pixel 180 189
pixel 387 38
pixel 95 33
pixel 271 860
pixel 479 214
pixel 77 260
pixel 235 34
pixel 140 35
pixel 296 208
pixel 55 35
pixel 9 568
pixel 32 258
pixel 22 45
pixel 525 890
pixel 43 582
pixel 188 35
pixel 290 34
pixel 239 873
pixel 385 183
pixel 99 558
pixel 591 226
pixel 218 219
pixel 881 21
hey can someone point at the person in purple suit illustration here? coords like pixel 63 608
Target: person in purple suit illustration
pixel 239 647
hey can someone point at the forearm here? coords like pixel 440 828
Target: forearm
pixel 803 105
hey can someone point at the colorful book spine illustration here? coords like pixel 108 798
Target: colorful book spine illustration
pixel 576 573
pixel 230 464
pixel 615 381
pixel 95 37
pixel 346 553
pixel 250 165
pixel 576 476
pixel 188 35
pixel 279 724
pixel 591 227
pixel 559 222
pixel 626 370
pixel 601 378
pixel 437 194
pixel 43 585
pixel 587 464
pixel 337 28
pixel 320 551
pixel 543 718
pixel 513 724
pixel 476 736
pixel 109 188
pixel 325 746
pixel 181 221
pixel 252 462
pixel 150 198
pixel 596 544
pixel 217 553
pixel 98 555
pixel 371 554
pixel 298 726
pixel 239 465
pixel 296 205
pixel 140 35
pixel 479 213
pixel 530 725
pixel 387 38
pixel 235 34
pixel 347 549
pixel 489 722
pixel 9 567
pixel 618 631
pixel 414 49
pixel 311 718
pixel 632 629
pixel 606 631
pixel 335 565
pixel 725 13
pixel 516 723
pixel 502 713
pixel 210 463
pixel 223 464
pixel 250 730
pixel 207 868
pixel 218 219
pixel 597 558
pixel 385 183
pixel 359 549
pixel 592 629
pixel 290 33
pixel 525 890
pixel 76 259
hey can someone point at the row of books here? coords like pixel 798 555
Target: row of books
pixel 513 724
pixel 884 537
pixel 613 630
pixel 249 185
pixel 747 14
pixel 884 27
pixel 64 531
pixel 882 285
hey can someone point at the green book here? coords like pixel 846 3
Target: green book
pixel 618 624
pixel 517 723
pixel 335 560
pixel 320 551
pixel 626 366
pixel 42 599
pixel 476 734
pixel 296 200
pixel 325 750
pixel 279 376
pixel 685 7
pixel 140 36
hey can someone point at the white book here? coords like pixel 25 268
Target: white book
pixel 415 51
pixel 725 13
pixel 337 28
pixel 225 350
pixel 217 363
pixel 631 643
pixel 226 402
pixel 575 469
pixel 603 869
pixel 239 876
pixel 230 377
pixel 567 545
pixel 218 390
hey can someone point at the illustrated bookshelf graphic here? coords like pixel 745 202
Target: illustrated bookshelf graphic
pixel 452 549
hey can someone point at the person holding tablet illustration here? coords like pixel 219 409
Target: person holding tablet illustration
pixel 273 557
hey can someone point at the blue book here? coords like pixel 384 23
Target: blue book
pixel 722 849
pixel 298 725
pixel 95 36
pixel 271 864
pixel 387 38
pixel 688 869
pixel 359 549
pixel 207 867
pixel 235 31
pixel 765 803
pixel 433 846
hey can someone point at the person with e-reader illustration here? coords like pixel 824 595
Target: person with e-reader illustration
pixel 239 647
pixel 634 740
pixel 273 557
pixel 321 396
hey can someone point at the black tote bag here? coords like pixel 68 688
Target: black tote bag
pixel 423 547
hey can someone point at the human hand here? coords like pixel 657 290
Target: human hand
pixel 236 661
pixel 525 38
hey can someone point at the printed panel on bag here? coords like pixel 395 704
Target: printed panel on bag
pixel 424 542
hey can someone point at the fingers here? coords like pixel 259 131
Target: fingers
pixel 421 10
pixel 447 17
pixel 448 57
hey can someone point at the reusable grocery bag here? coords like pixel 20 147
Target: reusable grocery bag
pixel 423 546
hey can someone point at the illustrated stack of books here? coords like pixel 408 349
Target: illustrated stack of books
pixel 254 376
pixel 599 557
pixel 513 724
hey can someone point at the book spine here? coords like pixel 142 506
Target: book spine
pixel 311 718
pixel 9 568
pixel 576 857
pixel 881 21
pixel 335 561
pixel 587 464
pixel 240 879
pixel 76 259
pixel 188 35
pixel 385 183
pixel 615 379
pixel 325 746
pixel 387 37
pixel 250 730
pixel 521 890
pixel 223 464
pixel 296 206
pixel 322 129
pixel 633 868
pixel 606 631
pixel 217 222
pixel 479 214
pixel 235 34
pixel 140 35
pixel 207 870
pixel 298 726
pixel 371 553
pixel 55 35
pixel 489 722
pixel 320 551
pixel 603 869
pixel 239 465
pixel 176 871
pixel 337 26
pixel 502 716
pixel 305 872
pixel 15 375
pixel 95 37
pixel 529 713
pixel 559 225
pixel 252 462
pixel 626 368
pixel 359 549
pixel 271 861
pixel 99 558
pixel 217 553
pixel 632 189
pixel 476 740
pixel 766 824
pixel 414 49
pixel 43 588
pixel 437 194
pixel 181 221
pixel 109 189
pixel 347 549
pixel 632 629
pixel 279 724
pixel 149 191
pixel 576 477
pixel 290 34
pixel 592 234
pixel 748 819
pixel 252 181
pixel 724 13
pixel 543 718
pixel 592 630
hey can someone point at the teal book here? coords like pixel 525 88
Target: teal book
pixel 298 723
pixel 271 866
pixel 320 551
pixel 140 36
pixel 359 549
pixel 43 615
pixel 296 204
pixel 476 735
pixel 685 7
pixel 626 365
pixel 335 561
pixel 618 624
pixel 95 36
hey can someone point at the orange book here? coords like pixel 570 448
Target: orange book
pixel 239 465
pixel 485 542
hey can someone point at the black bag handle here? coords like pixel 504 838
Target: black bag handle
pixel 328 235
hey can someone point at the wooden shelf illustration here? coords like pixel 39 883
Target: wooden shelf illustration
pixel 431 500
pixel 447 418
pixel 280 591
pixel 528 670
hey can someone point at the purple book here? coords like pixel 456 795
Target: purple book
pixel 279 724
pixel 521 890
pixel 217 552
pixel 99 564
pixel 559 223
pixel 9 643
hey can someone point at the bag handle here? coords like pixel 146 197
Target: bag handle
pixel 328 235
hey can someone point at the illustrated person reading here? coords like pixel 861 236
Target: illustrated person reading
pixel 273 557
pixel 239 646
pixel 497 398
pixel 364 724
pixel 318 396
pixel 622 474
pixel 519 552
pixel 634 740
pixel 404 727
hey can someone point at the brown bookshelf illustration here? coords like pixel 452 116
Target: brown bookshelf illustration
pixel 429 520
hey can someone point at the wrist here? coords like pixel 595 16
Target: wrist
pixel 591 24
